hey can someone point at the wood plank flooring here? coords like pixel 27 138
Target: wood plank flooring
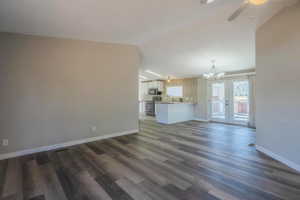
pixel 185 161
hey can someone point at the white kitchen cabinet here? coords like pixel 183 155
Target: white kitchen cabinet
pixel 145 88
pixel 152 84
pixel 160 85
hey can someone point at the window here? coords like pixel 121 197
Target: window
pixel 175 91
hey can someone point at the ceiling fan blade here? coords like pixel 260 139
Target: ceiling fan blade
pixel 239 11
pixel 203 1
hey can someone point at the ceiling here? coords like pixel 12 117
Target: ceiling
pixel 176 37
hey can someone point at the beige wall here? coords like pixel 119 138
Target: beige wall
pixel 278 85
pixel 55 90
pixel 201 111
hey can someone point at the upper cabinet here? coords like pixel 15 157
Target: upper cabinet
pixel 160 86
pixel 152 84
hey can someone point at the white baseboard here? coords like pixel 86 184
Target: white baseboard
pixel 201 120
pixel 279 158
pixel 63 145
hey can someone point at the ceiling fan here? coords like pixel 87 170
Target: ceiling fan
pixel 206 1
pixel 245 5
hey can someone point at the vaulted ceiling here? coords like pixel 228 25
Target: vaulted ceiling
pixel 176 37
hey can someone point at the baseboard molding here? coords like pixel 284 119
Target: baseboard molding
pixel 278 158
pixel 201 120
pixel 229 123
pixel 63 145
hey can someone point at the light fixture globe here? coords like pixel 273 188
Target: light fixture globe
pixel 258 2
pixel 213 74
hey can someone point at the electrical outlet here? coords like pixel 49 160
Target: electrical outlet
pixel 5 142
pixel 93 129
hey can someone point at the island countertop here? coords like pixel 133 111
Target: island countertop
pixel 160 102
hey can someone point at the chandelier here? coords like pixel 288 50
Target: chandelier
pixel 213 74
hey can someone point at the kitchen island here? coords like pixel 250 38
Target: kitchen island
pixel 170 113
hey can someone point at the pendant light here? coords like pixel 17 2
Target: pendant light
pixel 213 74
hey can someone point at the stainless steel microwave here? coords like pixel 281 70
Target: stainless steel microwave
pixel 153 91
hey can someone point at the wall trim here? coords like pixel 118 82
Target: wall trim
pixel 278 158
pixel 231 123
pixel 201 120
pixel 240 74
pixel 63 145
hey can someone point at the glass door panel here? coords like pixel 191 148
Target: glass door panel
pixel 218 101
pixel 229 101
pixel 241 100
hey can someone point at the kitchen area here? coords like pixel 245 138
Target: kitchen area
pixel 168 101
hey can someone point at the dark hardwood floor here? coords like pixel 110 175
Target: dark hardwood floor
pixel 192 160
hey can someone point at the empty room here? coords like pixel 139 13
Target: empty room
pixel 150 100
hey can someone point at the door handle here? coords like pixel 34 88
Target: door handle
pixel 227 103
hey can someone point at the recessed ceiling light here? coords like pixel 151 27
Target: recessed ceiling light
pixel 153 73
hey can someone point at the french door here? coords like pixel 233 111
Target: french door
pixel 229 101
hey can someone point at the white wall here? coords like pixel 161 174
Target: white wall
pixel 278 85
pixel 54 90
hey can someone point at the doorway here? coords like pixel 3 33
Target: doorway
pixel 228 101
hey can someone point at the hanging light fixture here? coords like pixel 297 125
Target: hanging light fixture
pixel 213 74
pixel 169 79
